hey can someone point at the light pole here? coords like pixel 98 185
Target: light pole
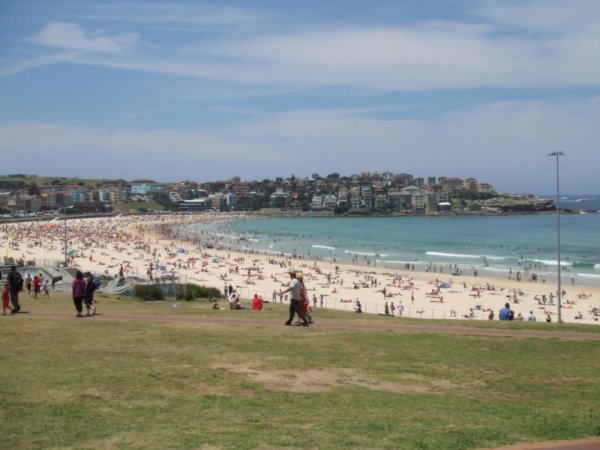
pixel 66 258
pixel 558 155
pixel 66 237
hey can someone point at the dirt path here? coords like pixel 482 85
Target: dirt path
pixel 396 326
pixel 580 444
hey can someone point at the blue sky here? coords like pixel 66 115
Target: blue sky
pixel 175 90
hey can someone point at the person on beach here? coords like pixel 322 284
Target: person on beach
pixel 506 313
pixel 78 292
pixel 15 285
pixel 295 287
pixel 5 299
pixel 531 317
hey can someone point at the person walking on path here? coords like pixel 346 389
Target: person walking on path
pixel 295 287
pixel 90 287
pixel 304 302
pixel 78 291
pixel 15 285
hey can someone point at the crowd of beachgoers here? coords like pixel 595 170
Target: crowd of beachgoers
pixel 153 247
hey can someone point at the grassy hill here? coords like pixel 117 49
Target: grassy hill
pixel 40 181
pixel 130 380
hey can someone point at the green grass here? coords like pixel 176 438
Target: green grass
pixel 40 180
pixel 91 383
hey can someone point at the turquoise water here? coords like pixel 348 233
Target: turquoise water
pixel 484 243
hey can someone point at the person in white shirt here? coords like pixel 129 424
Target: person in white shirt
pixel 295 287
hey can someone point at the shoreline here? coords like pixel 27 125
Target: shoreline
pixel 530 267
pixel 104 244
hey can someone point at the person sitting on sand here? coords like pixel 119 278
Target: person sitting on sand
pixel 531 317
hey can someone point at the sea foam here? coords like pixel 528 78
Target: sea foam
pixel 323 246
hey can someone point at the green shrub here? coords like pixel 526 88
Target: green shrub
pixel 149 292
pixel 192 291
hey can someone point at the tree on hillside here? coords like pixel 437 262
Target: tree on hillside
pixel 33 188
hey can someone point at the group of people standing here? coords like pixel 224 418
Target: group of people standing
pixel 83 292
pixel 299 303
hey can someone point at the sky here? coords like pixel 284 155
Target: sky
pixel 204 91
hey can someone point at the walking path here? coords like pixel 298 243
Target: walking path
pixel 580 444
pixel 395 326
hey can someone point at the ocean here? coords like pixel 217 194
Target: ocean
pixel 490 245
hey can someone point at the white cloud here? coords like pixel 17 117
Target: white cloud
pixel 72 36
pixel 173 13
pixel 512 45
pixel 437 56
pixel 543 15
pixel 502 143
pixel 44 60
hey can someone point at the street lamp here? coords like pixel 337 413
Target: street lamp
pixel 558 155
pixel 66 258
pixel 66 238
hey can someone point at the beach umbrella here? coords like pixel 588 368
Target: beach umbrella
pixel 445 285
pixel 180 250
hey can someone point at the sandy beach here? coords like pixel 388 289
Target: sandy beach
pixel 136 243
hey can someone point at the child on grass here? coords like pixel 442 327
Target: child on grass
pixel 5 299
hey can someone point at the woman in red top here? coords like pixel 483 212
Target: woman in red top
pixel 36 286
pixel 304 302
pixel 78 289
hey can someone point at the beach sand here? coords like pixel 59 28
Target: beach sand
pixel 104 245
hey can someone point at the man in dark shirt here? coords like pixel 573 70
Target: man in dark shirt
pixel 15 284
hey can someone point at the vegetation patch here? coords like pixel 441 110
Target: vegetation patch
pixel 149 292
pixel 191 291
